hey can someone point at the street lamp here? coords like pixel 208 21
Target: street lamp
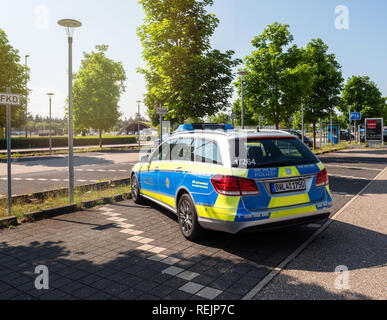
pixel 25 116
pixel 243 77
pixel 138 121
pixel 70 25
pixel 49 97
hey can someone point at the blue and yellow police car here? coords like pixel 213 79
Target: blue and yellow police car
pixel 216 178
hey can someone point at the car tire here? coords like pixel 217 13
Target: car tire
pixel 135 190
pixel 188 219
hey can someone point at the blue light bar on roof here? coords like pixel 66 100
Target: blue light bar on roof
pixel 185 127
pixel 204 126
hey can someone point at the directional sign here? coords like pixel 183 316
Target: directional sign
pixel 355 116
pixel 162 110
pixel 10 99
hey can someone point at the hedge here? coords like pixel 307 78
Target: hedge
pixel 43 142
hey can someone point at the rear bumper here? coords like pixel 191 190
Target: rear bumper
pixel 260 225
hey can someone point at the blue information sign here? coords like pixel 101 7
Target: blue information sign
pixel 355 116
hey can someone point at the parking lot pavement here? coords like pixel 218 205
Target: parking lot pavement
pixel 355 243
pixel 126 251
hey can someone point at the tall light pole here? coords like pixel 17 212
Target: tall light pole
pixel 243 77
pixel 70 25
pixel 49 97
pixel 25 116
pixel 138 121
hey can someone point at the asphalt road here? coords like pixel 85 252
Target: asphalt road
pixel 47 173
pixel 127 251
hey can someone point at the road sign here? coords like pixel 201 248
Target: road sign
pixel 10 99
pixel 355 116
pixel 233 116
pixel 260 117
pixel 161 110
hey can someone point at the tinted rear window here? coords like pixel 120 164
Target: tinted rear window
pixel 273 152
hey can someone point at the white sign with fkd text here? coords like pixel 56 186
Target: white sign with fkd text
pixel 10 99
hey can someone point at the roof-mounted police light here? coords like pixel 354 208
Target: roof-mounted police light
pixel 204 126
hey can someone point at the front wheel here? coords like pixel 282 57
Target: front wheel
pixel 136 197
pixel 188 221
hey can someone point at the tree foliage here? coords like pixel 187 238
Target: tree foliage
pixel 277 79
pixel 15 75
pixel 182 72
pixel 364 96
pixel 327 82
pixel 97 88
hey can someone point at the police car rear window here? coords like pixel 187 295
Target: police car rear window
pixel 269 152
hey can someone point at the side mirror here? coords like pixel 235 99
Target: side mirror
pixel 144 159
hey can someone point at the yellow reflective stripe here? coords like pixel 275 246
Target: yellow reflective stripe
pixel 137 167
pixel 321 166
pixel 292 212
pixel 289 200
pixel 282 172
pixel 240 172
pixel 225 209
pixel 329 191
pixel 194 167
pixel 160 197
pixel 216 213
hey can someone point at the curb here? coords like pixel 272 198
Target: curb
pixel 8 222
pixel 53 212
pixel 64 191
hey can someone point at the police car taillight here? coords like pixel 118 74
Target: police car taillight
pixel 234 186
pixel 322 178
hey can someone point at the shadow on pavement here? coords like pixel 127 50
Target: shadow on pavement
pixel 97 262
pixel 63 162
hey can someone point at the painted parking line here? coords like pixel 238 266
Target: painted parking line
pixel 351 167
pixel 346 177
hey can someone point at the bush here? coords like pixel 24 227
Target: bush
pixel 57 142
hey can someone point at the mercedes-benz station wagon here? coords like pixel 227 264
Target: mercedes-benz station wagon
pixel 233 181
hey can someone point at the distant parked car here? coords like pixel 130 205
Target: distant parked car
pixel 308 141
pixel 346 136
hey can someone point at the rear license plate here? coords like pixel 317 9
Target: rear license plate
pixel 288 186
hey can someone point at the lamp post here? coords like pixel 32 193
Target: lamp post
pixel 70 25
pixel 243 77
pixel 49 97
pixel 138 121
pixel 25 116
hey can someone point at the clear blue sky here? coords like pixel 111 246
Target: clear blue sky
pixel 32 28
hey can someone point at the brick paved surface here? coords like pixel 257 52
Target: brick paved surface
pixel 126 251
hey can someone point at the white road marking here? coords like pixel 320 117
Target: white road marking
pixel 347 177
pixel 351 167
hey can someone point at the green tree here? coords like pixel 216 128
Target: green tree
pixel 364 96
pixel 182 72
pixel 327 82
pixel 15 75
pixel 277 79
pixel 221 117
pixel 97 88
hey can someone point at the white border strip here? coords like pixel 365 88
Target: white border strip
pixel 302 247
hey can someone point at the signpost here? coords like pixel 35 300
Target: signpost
pixel 354 116
pixel 233 117
pixel 161 111
pixel 260 121
pixel 9 100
